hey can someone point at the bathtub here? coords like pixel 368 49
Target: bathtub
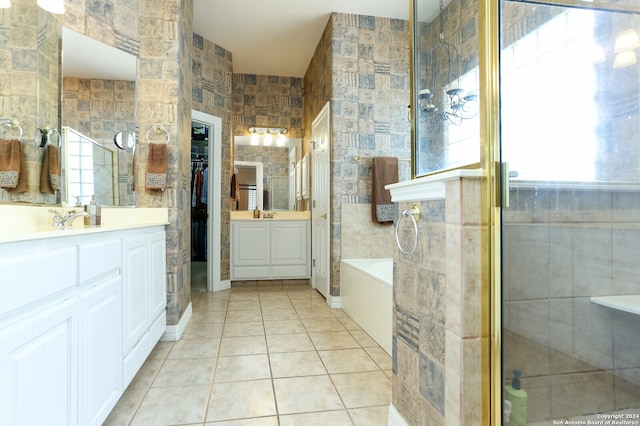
pixel 366 294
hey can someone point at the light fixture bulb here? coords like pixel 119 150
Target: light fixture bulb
pixel 624 59
pixel 627 40
pixel 255 139
pixel 53 6
pixel 282 139
pixel 5 4
pixel 268 139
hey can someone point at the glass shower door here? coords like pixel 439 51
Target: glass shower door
pixel 570 134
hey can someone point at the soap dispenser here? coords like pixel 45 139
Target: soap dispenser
pixel 94 217
pixel 518 398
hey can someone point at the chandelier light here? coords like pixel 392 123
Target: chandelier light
pixel 267 134
pixel 462 105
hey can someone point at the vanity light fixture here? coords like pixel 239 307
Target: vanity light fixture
pixel 267 139
pixel 255 138
pixel 53 6
pixel 267 134
pixel 462 105
pixel 5 4
pixel 282 139
pixel 624 59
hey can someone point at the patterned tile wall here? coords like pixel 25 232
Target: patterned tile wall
pixel 29 87
pixel 368 60
pixel 211 93
pixel 164 98
pixel 267 101
pixel 437 301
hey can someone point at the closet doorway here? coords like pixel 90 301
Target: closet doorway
pixel 206 200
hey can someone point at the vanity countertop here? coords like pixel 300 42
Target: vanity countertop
pixel 22 223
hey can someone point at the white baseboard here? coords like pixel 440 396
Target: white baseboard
pixel 334 301
pixel 222 285
pixel 395 418
pixel 174 332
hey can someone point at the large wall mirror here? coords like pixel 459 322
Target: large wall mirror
pixel 266 174
pixel 29 95
pixel 99 121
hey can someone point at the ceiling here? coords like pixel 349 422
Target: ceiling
pixel 278 37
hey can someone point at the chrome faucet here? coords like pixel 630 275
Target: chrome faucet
pixel 66 221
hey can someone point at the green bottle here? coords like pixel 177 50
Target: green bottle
pixel 518 398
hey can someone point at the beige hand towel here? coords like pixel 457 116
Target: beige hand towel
pixel 156 178
pixel 10 163
pixel 385 171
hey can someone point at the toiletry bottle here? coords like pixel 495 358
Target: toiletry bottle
pixel 256 214
pixel 518 398
pixel 92 210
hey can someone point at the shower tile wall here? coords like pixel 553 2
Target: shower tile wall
pixel 437 303
pixel 367 58
pixel 573 245
pixel 212 72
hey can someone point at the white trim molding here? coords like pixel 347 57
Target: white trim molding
pixel 430 187
pixel 334 301
pixel 395 418
pixel 174 332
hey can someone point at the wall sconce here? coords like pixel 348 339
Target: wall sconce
pixel 461 106
pixel 267 134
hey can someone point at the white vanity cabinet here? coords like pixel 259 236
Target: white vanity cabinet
pixel 270 249
pixel 144 299
pixel 62 335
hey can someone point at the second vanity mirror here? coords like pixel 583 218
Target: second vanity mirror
pixel 266 175
pixel 98 121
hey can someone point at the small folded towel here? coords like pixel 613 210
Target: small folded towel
pixel 51 172
pixel 235 187
pixel 385 171
pixel 11 163
pixel 156 178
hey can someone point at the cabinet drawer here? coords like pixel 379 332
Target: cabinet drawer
pixel 32 277
pixel 250 272
pixel 134 359
pixel 99 260
pixel 290 271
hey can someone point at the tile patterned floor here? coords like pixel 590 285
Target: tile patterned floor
pixel 262 355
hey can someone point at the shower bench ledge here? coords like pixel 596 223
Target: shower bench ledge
pixel 627 303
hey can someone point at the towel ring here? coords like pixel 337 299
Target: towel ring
pixel 12 123
pixel 158 129
pixel 414 214
pixel 45 136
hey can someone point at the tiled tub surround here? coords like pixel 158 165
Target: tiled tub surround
pixel 572 245
pixel 437 304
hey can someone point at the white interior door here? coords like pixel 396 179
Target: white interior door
pixel 320 214
pixel 214 207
